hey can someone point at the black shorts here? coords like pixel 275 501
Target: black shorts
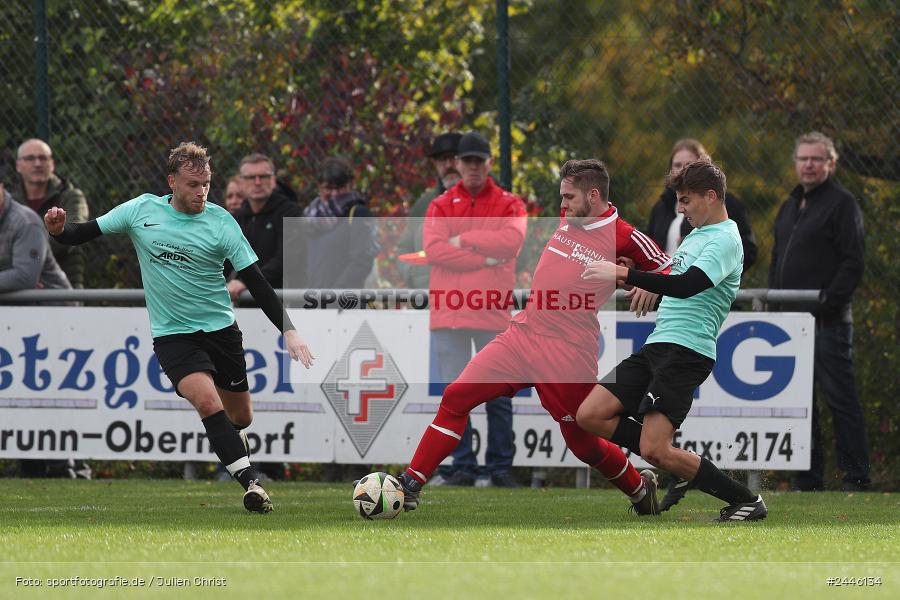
pixel 219 352
pixel 659 377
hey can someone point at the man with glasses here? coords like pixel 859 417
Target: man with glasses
pixel 442 156
pixel 819 245
pixel 41 188
pixel 268 202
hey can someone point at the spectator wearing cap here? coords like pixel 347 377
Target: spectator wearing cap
pixel 472 235
pixel 442 156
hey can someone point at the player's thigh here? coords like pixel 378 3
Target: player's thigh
pixel 498 361
pixel 226 350
pixel 599 412
pixel 619 392
pixel 677 373
pixel 488 375
pixel 562 400
pixel 180 355
pixel 477 387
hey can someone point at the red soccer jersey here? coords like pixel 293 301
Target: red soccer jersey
pixel 561 303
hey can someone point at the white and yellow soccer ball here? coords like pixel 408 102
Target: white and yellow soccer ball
pixel 378 496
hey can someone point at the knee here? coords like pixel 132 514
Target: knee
pixel 591 419
pixel 242 417
pixel 206 405
pixel 655 454
pixel 453 400
pixel 198 389
pixel 585 419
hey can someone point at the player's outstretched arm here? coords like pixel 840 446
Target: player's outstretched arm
pixel 691 282
pixel 71 234
pixel 270 304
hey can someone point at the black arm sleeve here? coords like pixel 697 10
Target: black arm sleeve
pixel 689 283
pixel 74 234
pixel 266 297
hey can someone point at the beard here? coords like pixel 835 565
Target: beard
pixel 185 204
pixel 450 178
pixel 576 219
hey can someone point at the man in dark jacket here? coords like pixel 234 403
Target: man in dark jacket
pixel 819 245
pixel 667 227
pixel 267 202
pixel 442 156
pixel 40 188
pixel 339 231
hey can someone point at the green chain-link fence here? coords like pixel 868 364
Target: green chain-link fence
pixel 373 80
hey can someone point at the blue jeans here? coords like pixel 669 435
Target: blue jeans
pixel 451 351
pixel 833 375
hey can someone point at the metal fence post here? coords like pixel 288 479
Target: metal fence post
pixel 583 478
pixel 754 478
pixel 503 106
pixel 41 64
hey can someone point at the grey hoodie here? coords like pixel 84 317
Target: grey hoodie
pixel 26 261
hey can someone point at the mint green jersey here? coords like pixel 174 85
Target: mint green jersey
pixel 181 258
pixel 695 322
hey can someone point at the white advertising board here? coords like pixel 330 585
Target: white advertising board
pixel 85 382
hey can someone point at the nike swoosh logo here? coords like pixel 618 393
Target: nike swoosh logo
pixel 237 382
pixel 150 224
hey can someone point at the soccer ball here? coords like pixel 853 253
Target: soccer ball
pixel 378 496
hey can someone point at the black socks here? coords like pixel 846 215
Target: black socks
pixel 714 482
pixel 228 446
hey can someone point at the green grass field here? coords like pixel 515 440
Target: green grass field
pixel 461 543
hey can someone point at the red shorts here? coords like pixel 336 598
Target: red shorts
pixel 562 373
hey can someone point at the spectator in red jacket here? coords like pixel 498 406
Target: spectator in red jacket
pixel 472 235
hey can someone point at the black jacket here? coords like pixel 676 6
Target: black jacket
pixel 663 213
pixel 265 231
pixel 820 247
